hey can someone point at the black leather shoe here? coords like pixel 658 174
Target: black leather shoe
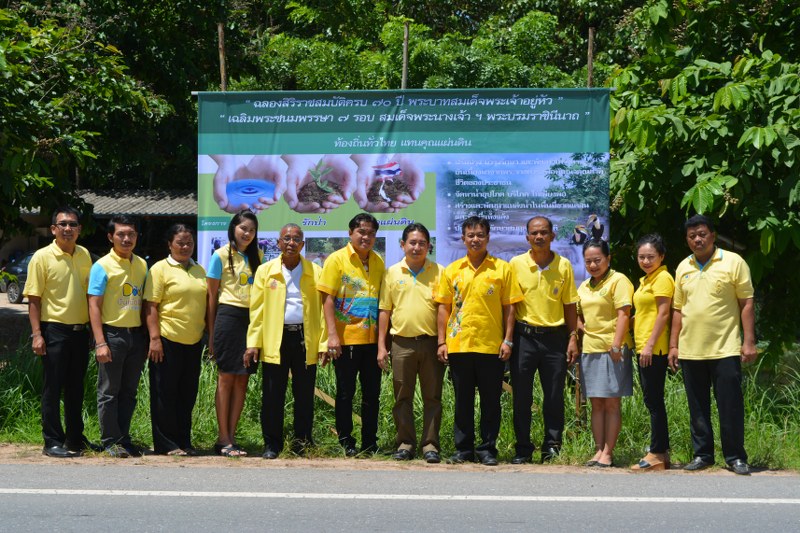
pixel 739 467
pixel 350 451
pixel 549 453
pixel 84 445
pixel 462 457
pixel 270 454
pixel 58 451
pixel 369 450
pixel 521 459
pixel 133 450
pixel 432 457
pixel 697 464
pixel 489 460
pixel 402 455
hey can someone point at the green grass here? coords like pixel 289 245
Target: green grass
pixel 772 400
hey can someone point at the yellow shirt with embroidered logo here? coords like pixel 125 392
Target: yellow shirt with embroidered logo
pixel 181 297
pixel 409 297
pixel 545 291
pixel 477 297
pixel 658 284
pixel 355 294
pixel 267 310
pixel 60 280
pixel 120 282
pixel 598 305
pixel 708 299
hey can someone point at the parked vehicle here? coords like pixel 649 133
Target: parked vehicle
pixel 15 284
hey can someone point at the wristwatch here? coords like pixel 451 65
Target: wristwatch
pixel 616 349
pixel 508 343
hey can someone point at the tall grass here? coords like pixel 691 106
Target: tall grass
pixel 772 400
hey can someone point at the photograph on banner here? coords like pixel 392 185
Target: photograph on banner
pixel 436 157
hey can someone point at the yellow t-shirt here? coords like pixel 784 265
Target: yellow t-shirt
pixel 708 299
pixel 234 288
pixel 545 291
pixel 120 282
pixel 477 297
pixel 355 294
pixel 598 306
pixel 658 284
pixel 60 280
pixel 409 297
pixel 181 297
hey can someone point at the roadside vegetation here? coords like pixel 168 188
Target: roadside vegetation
pixel 772 402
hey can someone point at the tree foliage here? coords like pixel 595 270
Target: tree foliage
pixel 706 120
pixel 60 89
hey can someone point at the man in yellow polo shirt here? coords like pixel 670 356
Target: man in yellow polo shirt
pixel 545 338
pixel 116 283
pixel 713 333
pixel 407 302
pixel 350 282
pixel 58 276
pixel 476 325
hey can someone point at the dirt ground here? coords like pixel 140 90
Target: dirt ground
pixel 31 454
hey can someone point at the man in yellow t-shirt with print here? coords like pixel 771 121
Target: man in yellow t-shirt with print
pixel 713 333
pixel 476 294
pixel 58 276
pixel 116 283
pixel 350 284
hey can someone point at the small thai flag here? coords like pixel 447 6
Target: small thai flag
pixel 388 171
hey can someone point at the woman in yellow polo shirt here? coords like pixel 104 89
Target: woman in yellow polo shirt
pixel 230 277
pixel 606 368
pixel 175 309
pixel 652 301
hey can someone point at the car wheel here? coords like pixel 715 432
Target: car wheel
pixel 14 294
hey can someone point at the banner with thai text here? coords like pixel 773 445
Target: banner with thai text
pixel 435 157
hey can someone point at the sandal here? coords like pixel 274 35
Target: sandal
pixel 652 462
pixel 230 450
pixel 177 452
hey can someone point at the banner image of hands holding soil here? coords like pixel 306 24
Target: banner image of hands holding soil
pixel 431 156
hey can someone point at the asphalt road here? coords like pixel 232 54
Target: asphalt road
pixel 101 498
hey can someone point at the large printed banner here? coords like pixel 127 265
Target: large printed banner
pixel 431 156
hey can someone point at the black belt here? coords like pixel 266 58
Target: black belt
pixel 137 329
pixel 417 338
pixel 72 327
pixel 293 327
pixel 529 329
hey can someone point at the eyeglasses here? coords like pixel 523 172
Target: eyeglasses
pixel 64 224
pixel 287 239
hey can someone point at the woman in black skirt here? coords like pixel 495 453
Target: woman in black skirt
pixel 230 276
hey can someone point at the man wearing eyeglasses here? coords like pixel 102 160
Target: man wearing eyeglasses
pixel 350 284
pixel 286 287
pixel 58 277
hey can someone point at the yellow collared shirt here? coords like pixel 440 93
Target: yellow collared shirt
pixel 598 306
pixel 659 284
pixel 477 297
pixel 545 291
pixel 409 297
pixel 60 280
pixel 181 297
pixel 355 294
pixel 708 299
pixel 268 305
pixel 120 282
pixel 234 288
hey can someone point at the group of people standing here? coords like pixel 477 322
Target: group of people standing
pixel 478 315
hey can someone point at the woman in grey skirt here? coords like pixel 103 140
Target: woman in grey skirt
pixel 606 371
